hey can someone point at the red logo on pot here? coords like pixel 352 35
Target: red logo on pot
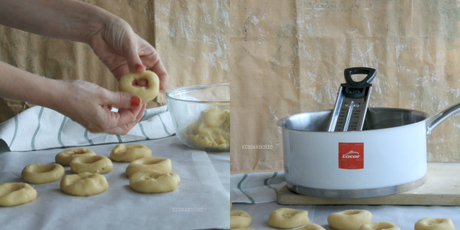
pixel 351 155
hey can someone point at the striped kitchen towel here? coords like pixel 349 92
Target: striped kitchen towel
pixel 42 128
pixel 256 188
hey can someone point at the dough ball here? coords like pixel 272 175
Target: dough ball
pixel 288 218
pixel 379 226
pixel 154 182
pixel 84 184
pixel 239 219
pixel 311 227
pixel 162 165
pixel 212 130
pixel 349 219
pixel 92 164
pixel 129 153
pixel 40 174
pixel 145 93
pixel 12 194
pixel 65 157
pixel 429 223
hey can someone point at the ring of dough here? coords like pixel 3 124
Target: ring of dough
pixel 65 157
pixel 145 93
pixel 429 223
pixel 379 226
pixel 40 174
pixel 288 218
pixel 84 184
pixel 162 165
pixel 92 164
pixel 129 153
pixel 239 219
pixel 12 194
pixel 349 219
pixel 154 182
pixel 312 227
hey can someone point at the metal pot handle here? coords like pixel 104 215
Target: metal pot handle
pixel 440 117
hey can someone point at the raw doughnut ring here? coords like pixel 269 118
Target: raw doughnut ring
pixel 93 164
pixel 162 165
pixel 429 223
pixel 349 219
pixel 84 184
pixel 145 93
pixel 128 153
pixel 12 194
pixel 239 219
pixel 311 227
pixel 288 218
pixel 154 182
pixel 379 226
pixel 40 174
pixel 65 157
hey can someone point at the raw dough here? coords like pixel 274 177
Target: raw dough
pixel 288 218
pixel 311 227
pixel 212 130
pixel 239 219
pixel 349 219
pixel 162 165
pixel 65 157
pixel 154 182
pixel 429 223
pixel 145 93
pixel 129 153
pixel 12 194
pixel 84 184
pixel 379 226
pixel 40 174
pixel 93 164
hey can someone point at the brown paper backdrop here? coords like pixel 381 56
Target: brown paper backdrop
pixel 289 58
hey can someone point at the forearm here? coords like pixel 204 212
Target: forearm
pixel 64 19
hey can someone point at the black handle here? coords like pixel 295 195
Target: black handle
pixel 359 70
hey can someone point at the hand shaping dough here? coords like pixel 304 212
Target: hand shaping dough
pixel 40 174
pixel 212 130
pixel 379 226
pixel 349 219
pixel 429 223
pixel 154 182
pixel 129 153
pixel 162 165
pixel 84 184
pixel 288 218
pixel 63 158
pixel 311 227
pixel 239 219
pixel 92 164
pixel 145 93
pixel 12 194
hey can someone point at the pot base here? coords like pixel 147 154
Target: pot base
pixel 355 193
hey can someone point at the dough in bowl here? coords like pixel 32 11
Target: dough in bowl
pixel 154 182
pixel 65 157
pixel 349 219
pixel 239 219
pixel 40 174
pixel 129 153
pixel 429 223
pixel 288 218
pixel 162 165
pixel 84 184
pixel 379 226
pixel 12 194
pixel 92 164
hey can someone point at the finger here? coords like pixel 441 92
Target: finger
pixel 163 75
pixel 125 121
pixel 134 61
pixel 122 100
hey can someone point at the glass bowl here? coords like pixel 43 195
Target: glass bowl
pixel 201 115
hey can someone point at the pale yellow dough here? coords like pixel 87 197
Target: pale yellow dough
pixel 146 94
pixel 239 219
pixel 40 174
pixel 12 194
pixel 429 223
pixel 162 165
pixel 288 218
pixel 154 182
pixel 349 219
pixel 84 184
pixel 129 153
pixel 311 227
pixel 212 130
pixel 379 226
pixel 92 164
pixel 65 157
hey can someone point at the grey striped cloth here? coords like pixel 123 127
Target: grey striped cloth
pixel 42 128
pixel 256 188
